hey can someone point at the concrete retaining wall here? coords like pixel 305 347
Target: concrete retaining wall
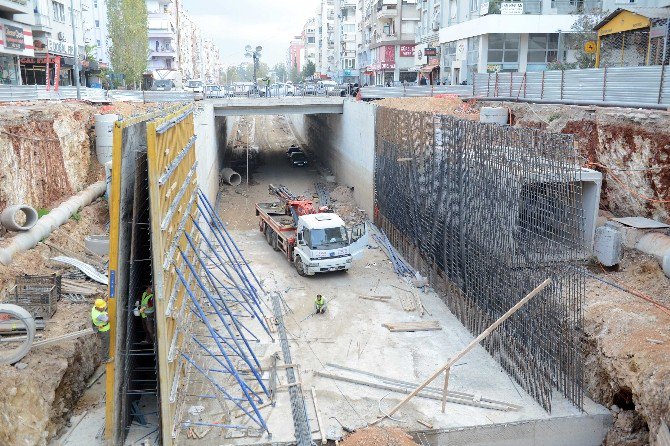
pixel 210 134
pixel 345 144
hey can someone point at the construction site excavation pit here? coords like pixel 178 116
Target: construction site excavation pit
pixel 347 358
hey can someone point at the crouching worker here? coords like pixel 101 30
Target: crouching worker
pixel 100 321
pixel 320 304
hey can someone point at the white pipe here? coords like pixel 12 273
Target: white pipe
pixel 657 245
pixel 47 224
pixel 231 177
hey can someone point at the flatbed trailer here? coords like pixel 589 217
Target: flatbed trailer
pixel 278 227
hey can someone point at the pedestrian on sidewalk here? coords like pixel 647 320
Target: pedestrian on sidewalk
pixel 320 304
pixel 147 312
pixel 100 321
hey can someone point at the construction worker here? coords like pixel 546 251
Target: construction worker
pixel 320 304
pixel 100 320
pixel 147 312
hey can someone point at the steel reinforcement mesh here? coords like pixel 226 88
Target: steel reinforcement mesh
pixel 488 212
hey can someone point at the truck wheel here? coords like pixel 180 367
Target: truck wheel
pixel 268 235
pixel 300 267
pixel 275 241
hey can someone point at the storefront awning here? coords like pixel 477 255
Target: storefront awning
pixel 428 68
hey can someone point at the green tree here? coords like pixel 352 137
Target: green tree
pixel 575 41
pixel 308 70
pixel 231 75
pixel 262 71
pixel 280 72
pixel 127 26
pixel 90 52
pixel 295 73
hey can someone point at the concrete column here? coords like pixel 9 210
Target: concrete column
pixel 523 52
pixel 483 53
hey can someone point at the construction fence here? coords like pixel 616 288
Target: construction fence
pixel 623 85
pixel 487 213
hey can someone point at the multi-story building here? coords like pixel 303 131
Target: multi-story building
pixel 477 36
pixel 53 38
pixel 16 39
pixel 386 40
pixel 211 58
pixel 346 67
pixel 97 43
pixel 325 37
pixel 309 41
pixel 295 54
pixel 162 27
pixel 186 27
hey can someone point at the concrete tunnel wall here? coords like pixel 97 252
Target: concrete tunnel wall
pixel 211 135
pixel 345 143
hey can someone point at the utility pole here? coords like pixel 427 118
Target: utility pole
pixel 76 51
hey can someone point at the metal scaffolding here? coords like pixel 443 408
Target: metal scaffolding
pixel 487 212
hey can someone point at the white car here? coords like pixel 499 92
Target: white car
pixel 213 91
pixel 194 86
pixel 280 89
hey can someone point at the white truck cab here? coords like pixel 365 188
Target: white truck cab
pixel 324 244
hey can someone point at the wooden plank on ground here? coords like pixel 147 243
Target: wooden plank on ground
pixel 376 298
pixel 413 326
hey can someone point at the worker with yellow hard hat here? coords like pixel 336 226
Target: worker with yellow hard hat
pixel 100 321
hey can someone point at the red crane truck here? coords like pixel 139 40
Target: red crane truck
pixel 314 240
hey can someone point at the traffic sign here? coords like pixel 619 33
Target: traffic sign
pixel 590 47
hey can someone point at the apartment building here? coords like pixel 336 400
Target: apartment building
pixel 53 41
pixel 325 37
pixel 309 41
pixel 478 36
pixel 386 41
pixel 162 29
pixel 346 66
pixel 16 39
pixel 295 54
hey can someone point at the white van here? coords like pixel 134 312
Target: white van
pixel 326 87
pixel 195 86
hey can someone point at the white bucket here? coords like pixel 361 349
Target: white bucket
pixel 104 136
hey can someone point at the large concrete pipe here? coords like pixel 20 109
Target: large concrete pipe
pixel 10 217
pixel 27 324
pixel 231 177
pixel 47 224
pixel 104 136
pixel 657 245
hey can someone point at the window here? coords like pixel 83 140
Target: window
pixel 97 42
pixel 347 64
pixel 504 50
pixel 349 28
pixel 95 3
pixel 311 40
pixel 542 48
pixel 474 5
pixel 97 23
pixel 58 11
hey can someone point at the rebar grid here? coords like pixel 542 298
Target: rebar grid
pixel 487 212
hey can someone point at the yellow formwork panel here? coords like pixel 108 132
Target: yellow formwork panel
pixel 114 261
pixel 173 196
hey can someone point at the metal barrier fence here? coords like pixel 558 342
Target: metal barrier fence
pixel 415 91
pixel 14 93
pixel 640 86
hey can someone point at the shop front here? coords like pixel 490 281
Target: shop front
pixel 16 42
pixel 383 66
pixel 56 58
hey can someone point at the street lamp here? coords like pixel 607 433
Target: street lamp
pixel 256 55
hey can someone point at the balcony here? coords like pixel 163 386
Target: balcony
pixel 16 6
pixel 387 12
pixel 42 22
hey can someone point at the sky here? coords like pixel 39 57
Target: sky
pixel 233 24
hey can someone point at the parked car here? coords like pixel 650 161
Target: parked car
pixel 194 86
pixel 162 85
pixel 327 88
pixel 291 150
pixel 310 89
pixel 281 89
pixel 212 91
pixel 298 159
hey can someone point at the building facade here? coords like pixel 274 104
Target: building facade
pixel 162 29
pixel 54 38
pixel 477 36
pixel 325 37
pixel 295 54
pixel 346 66
pixel 16 39
pixel 387 33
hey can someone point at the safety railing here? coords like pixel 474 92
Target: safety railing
pixel 635 86
pixel 411 91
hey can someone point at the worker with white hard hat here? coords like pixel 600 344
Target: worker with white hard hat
pixel 100 320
